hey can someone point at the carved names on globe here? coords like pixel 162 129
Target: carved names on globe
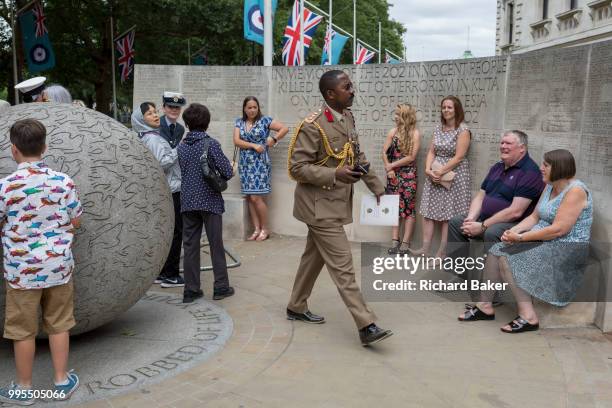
pixel 127 207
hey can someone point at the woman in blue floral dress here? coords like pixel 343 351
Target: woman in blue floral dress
pixel 252 136
pixel 399 156
pixel 545 255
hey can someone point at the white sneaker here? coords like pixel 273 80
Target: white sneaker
pixel 176 282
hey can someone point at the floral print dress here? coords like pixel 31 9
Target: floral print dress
pixel 255 168
pixel 404 183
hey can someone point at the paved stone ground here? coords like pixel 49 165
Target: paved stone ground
pixel 431 361
pixel 156 339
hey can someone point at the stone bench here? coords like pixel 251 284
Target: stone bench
pixel 584 310
pixel 236 223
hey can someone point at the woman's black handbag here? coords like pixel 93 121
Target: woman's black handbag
pixel 209 171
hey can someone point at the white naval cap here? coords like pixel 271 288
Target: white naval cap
pixel 174 99
pixel 32 87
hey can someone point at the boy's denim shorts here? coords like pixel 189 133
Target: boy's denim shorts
pixel 57 304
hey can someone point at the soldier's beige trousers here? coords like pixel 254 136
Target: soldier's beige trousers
pixel 329 246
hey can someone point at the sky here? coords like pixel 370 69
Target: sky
pixel 438 29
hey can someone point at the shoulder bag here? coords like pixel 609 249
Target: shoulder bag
pixel 210 172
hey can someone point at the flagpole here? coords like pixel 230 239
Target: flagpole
pixel 113 64
pixel 354 30
pixel 379 40
pixel 330 51
pixel 15 75
pixel 126 31
pixel 302 32
pixel 268 47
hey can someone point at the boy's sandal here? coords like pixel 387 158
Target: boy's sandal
pixel 473 313
pixel 520 325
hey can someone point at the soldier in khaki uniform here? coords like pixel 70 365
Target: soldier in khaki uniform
pixel 323 157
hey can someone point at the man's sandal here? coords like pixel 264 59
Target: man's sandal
pixel 473 313
pixel 520 325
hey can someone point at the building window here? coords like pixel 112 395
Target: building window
pixel 510 21
pixel 573 4
pixel 569 19
pixel 601 10
pixel 544 9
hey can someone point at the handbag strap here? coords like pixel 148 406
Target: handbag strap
pixel 206 144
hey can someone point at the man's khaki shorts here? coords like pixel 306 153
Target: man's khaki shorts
pixel 21 321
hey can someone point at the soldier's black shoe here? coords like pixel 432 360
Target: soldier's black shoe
pixel 306 317
pixel 373 334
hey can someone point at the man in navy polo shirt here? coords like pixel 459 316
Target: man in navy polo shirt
pixel 508 194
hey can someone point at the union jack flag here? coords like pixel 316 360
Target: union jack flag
pixel 363 55
pixel 39 17
pixel 125 46
pixel 291 42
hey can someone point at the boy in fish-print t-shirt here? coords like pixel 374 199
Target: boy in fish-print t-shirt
pixel 40 210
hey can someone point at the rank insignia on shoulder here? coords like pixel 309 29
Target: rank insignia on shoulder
pixel 312 117
pixel 328 115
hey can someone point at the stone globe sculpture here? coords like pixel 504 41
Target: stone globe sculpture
pixel 128 218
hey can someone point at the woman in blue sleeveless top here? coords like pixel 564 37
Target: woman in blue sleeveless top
pixel 252 136
pixel 545 255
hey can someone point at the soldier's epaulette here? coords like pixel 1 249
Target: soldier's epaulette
pixel 313 116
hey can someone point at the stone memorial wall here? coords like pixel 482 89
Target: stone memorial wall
pixel 561 98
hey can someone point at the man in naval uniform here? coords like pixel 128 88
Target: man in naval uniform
pixel 32 89
pixel 172 102
pixel 172 132
pixel 323 157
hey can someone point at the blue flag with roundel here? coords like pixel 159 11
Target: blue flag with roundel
pixel 336 42
pixel 36 44
pixel 390 60
pixel 253 19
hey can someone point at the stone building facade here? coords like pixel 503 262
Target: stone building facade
pixel 527 25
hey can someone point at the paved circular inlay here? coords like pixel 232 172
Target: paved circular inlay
pixel 157 338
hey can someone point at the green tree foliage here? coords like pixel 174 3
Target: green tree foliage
pixel 166 32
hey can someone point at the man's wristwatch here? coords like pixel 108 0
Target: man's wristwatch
pixel 275 139
pixel 483 227
pixel 520 237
